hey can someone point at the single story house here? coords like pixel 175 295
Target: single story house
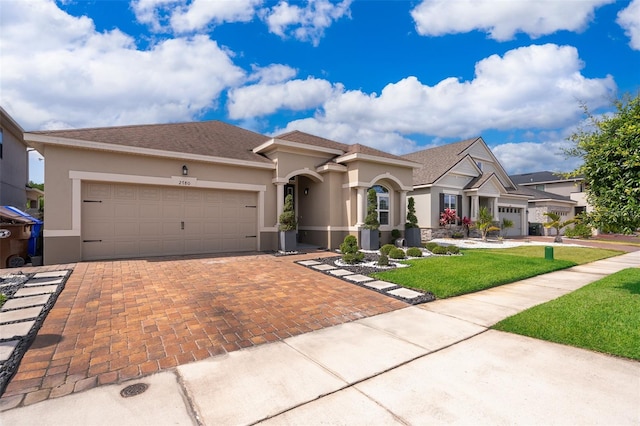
pixel 464 176
pixel 206 187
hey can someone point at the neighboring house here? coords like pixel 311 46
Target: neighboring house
pixel 464 176
pixel 553 193
pixel 14 165
pixel 206 187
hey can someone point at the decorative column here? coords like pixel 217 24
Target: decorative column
pixel 361 202
pixel 495 208
pixel 279 201
pixel 403 210
pixel 475 207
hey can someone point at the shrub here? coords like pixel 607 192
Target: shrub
pixel 579 230
pixel 431 245
pixel 439 250
pixel 457 235
pixel 371 221
pixel 397 253
pixel 395 234
pixel 453 249
pixel 349 249
pixel 414 252
pixel 287 218
pixel 3 298
pixel 383 260
pixel 412 219
pixel 385 249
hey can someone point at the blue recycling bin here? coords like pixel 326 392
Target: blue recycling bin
pixel 35 229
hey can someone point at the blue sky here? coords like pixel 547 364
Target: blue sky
pixel 395 75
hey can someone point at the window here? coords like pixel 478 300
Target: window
pixel 450 202
pixel 540 187
pixel 0 143
pixel 383 204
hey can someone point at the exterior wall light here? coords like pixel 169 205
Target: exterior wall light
pixel 306 191
pixel 185 170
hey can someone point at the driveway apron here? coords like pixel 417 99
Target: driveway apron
pixel 118 320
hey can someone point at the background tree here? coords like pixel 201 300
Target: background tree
pixel 557 224
pixel 610 150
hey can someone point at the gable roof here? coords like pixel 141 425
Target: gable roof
pixel 537 195
pixel 541 177
pixel 438 161
pixel 207 138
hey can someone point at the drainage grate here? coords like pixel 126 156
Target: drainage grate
pixel 133 390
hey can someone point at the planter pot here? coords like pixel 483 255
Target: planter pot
pixel 288 241
pixel 369 239
pixel 412 235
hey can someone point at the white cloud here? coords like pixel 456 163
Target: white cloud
pixel 503 19
pixel 305 23
pixel 192 15
pixel 274 73
pixel 263 99
pixel 75 76
pixel 534 87
pixel 526 157
pixel 629 19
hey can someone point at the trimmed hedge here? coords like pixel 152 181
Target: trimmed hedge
pixel 397 253
pixel 414 252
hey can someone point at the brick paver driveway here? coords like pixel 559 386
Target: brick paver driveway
pixel 119 320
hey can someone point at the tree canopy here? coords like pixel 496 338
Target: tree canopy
pixel 610 150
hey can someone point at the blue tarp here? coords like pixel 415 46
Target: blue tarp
pixel 35 229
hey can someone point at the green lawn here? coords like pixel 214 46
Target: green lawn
pixel 603 316
pixel 478 269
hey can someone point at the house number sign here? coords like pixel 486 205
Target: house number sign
pixel 184 181
pixel 5 233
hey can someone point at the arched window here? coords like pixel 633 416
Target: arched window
pixel 383 204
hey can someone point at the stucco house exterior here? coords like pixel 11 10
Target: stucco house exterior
pixel 464 176
pixel 14 165
pixel 206 187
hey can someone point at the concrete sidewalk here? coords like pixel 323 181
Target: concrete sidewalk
pixel 432 363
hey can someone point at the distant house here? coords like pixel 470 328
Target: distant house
pixel 551 192
pixel 207 187
pixel 464 176
pixel 14 165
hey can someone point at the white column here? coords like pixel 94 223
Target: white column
pixel 475 207
pixel 495 209
pixel 361 203
pixel 403 210
pixel 279 201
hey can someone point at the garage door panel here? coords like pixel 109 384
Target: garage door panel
pixel 142 220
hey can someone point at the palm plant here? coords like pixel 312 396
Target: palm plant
pixel 557 224
pixel 485 223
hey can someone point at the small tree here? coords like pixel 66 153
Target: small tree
pixel 349 249
pixel 506 224
pixel 287 218
pixel 485 223
pixel 371 221
pixel 557 224
pixel 466 225
pixel 412 219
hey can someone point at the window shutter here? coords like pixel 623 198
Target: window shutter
pixel 441 203
pixel 459 206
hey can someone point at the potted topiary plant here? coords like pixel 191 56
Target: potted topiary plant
pixel 411 229
pixel 369 236
pixel 287 226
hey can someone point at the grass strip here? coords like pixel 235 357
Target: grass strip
pixel 603 316
pixel 479 269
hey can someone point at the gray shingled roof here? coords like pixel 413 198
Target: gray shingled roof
pixel 437 161
pixel 210 138
pixel 538 177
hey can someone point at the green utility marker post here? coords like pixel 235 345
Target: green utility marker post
pixel 548 253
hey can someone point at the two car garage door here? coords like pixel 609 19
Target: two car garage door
pixel 122 220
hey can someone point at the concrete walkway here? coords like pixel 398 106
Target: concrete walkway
pixel 432 363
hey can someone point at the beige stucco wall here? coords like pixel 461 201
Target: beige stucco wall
pixel 14 172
